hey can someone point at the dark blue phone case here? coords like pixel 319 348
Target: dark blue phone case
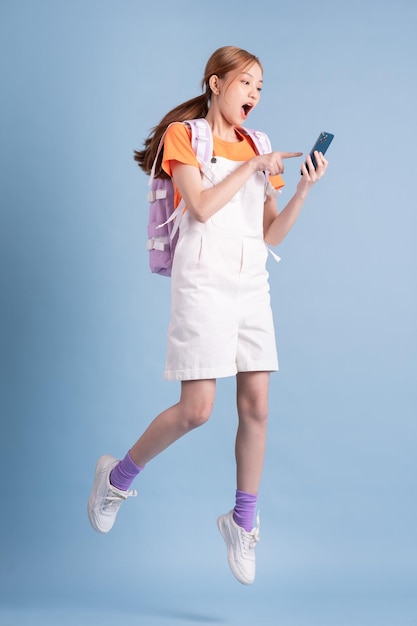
pixel 323 142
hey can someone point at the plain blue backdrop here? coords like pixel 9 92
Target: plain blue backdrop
pixel 83 322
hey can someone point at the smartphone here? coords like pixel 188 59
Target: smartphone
pixel 323 142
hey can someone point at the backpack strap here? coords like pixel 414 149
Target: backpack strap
pixel 152 196
pixel 201 139
pixel 263 146
pixel 202 144
pixel 260 140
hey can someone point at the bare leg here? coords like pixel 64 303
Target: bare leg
pixel 192 410
pixel 252 405
pixel 236 526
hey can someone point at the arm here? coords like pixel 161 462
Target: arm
pixel 203 203
pixel 277 225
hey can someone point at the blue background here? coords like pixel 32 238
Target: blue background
pixel 83 322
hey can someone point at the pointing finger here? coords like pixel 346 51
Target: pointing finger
pixel 290 155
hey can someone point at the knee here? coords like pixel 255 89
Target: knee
pixel 252 398
pixel 194 414
pixel 196 403
pixel 198 415
pixel 254 412
pixel 259 416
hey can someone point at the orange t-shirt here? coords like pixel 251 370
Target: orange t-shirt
pixel 177 147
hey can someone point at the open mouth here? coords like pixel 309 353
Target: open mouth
pixel 246 109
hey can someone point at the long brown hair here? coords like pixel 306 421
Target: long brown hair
pixel 222 61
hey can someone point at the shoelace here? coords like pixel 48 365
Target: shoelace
pixel 114 500
pixel 250 540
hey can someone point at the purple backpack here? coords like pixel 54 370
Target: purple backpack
pixel 164 219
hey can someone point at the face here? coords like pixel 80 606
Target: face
pixel 239 95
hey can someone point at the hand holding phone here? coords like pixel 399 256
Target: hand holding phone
pixel 322 143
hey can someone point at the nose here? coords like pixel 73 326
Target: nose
pixel 254 93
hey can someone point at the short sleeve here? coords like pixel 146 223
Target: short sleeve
pixel 277 182
pixel 177 147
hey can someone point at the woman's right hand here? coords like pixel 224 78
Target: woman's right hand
pixel 273 162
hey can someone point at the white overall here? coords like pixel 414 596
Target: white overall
pixel 221 318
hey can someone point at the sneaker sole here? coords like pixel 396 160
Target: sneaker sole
pixel 100 469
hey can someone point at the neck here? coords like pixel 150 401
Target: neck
pixel 222 129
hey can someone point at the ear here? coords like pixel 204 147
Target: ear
pixel 214 84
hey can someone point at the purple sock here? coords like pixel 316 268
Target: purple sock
pixel 244 511
pixel 124 473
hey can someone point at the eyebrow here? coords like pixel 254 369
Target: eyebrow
pixel 252 76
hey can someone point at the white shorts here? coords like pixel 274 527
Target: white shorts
pixel 221 318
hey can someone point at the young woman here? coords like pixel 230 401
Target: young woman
pixel 221 320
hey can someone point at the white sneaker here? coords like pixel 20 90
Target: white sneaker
pixel 240 547
pixel 105 500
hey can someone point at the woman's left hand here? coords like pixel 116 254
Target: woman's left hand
pixel 310 174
